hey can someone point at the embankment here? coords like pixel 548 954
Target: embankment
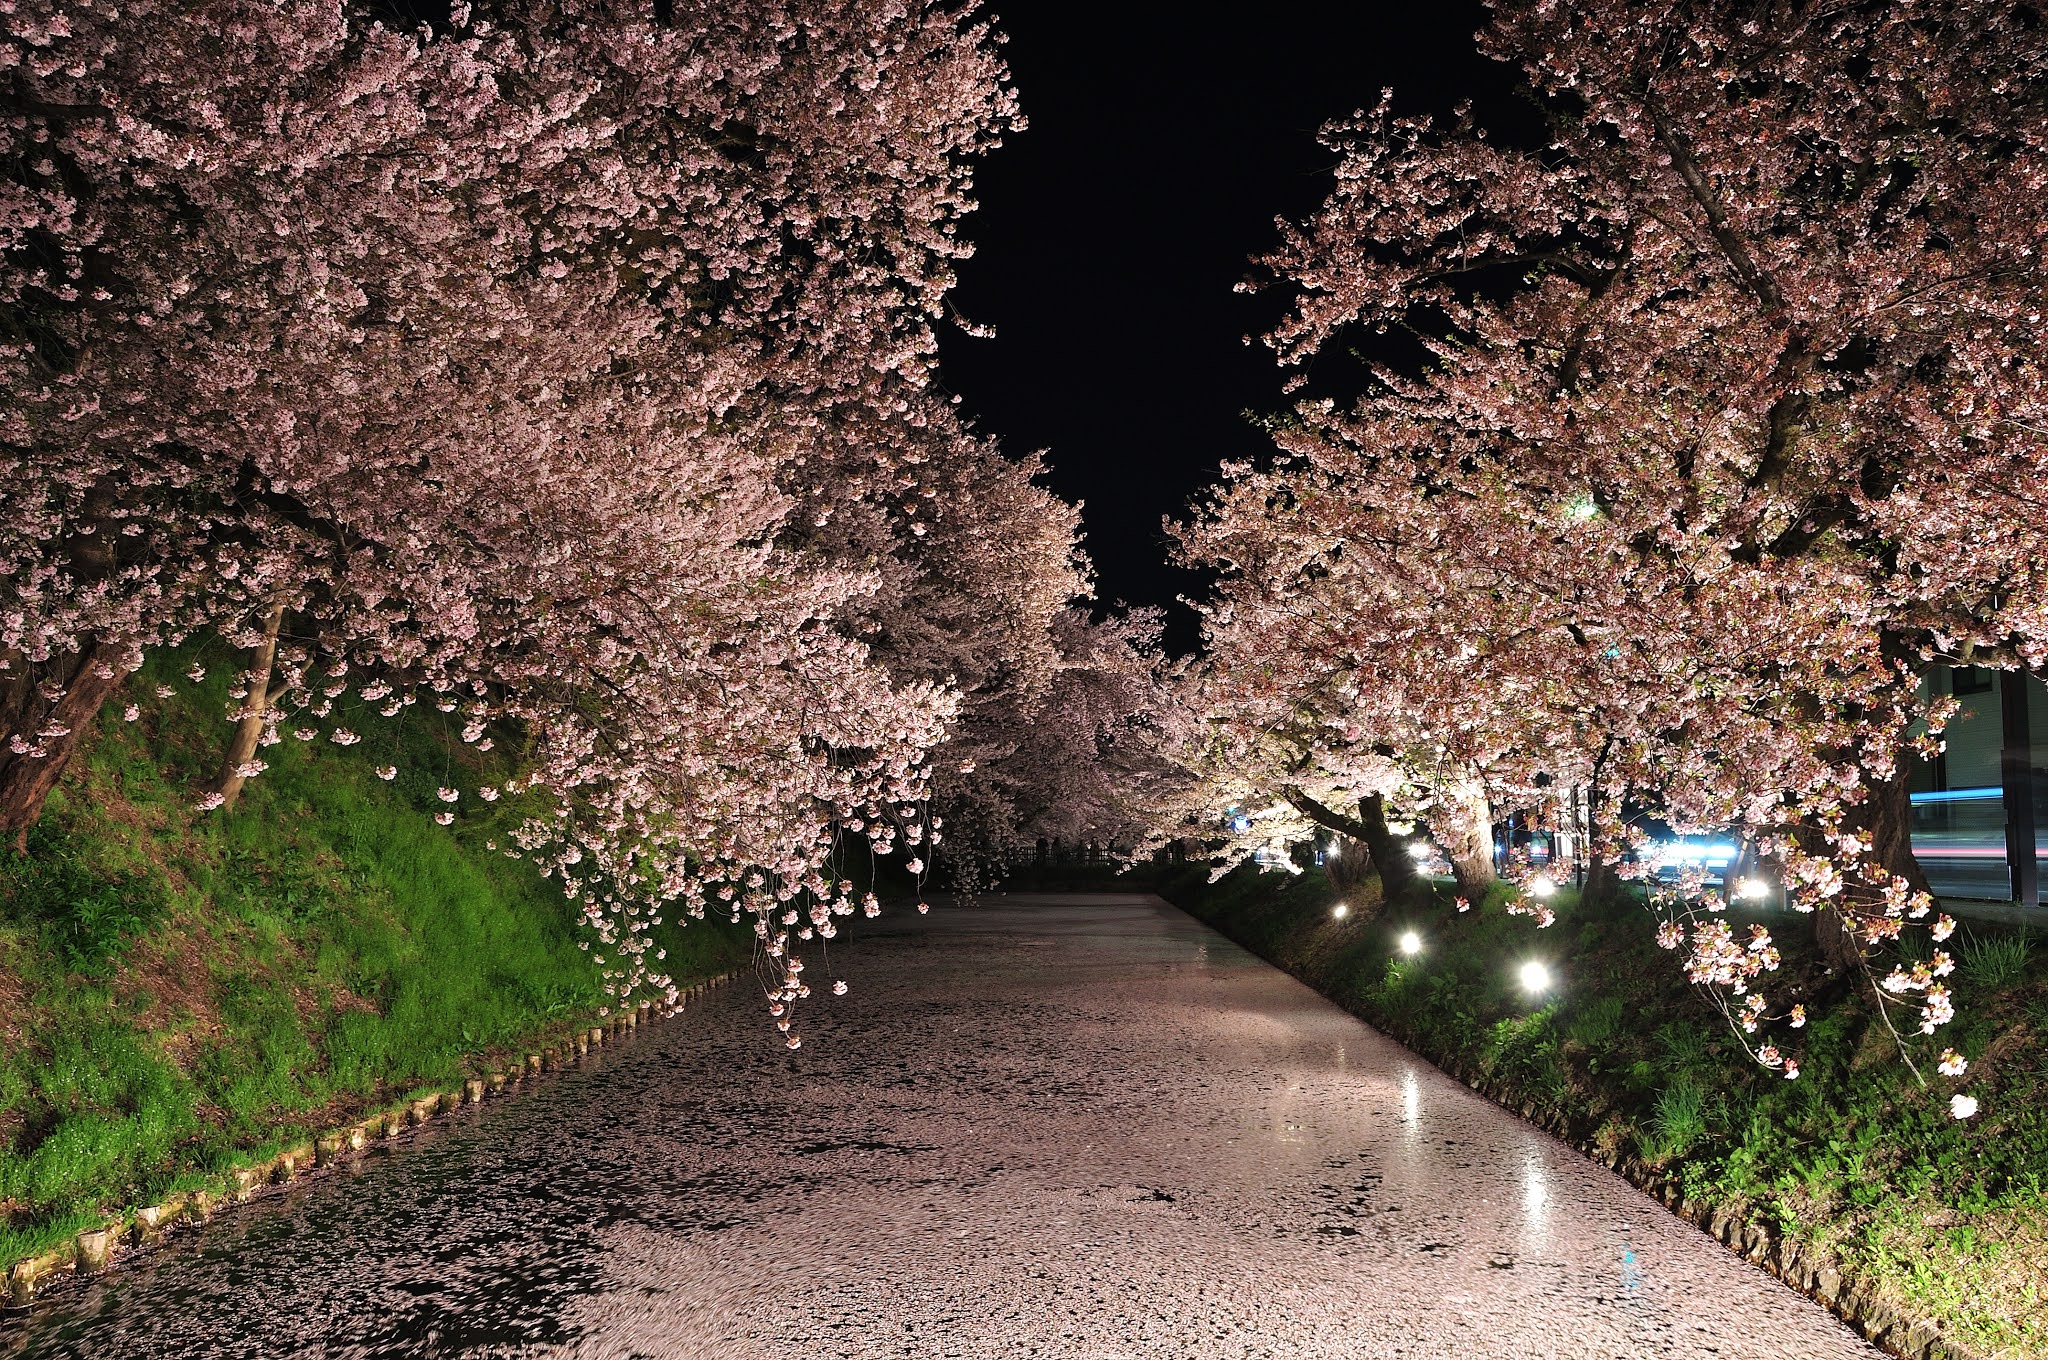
pixel 186 996
pixel 1852 1182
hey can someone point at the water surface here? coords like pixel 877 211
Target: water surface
pixel 1065 1126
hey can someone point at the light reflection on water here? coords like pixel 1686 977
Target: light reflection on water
pixel 1030 1131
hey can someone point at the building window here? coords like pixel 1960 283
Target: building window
pixel 1970 680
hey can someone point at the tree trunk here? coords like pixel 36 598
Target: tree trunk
pixel 1840 946
pixel 86 679
pixel 1886 816
pixel 249 728
pixel 1467 829
pixel 1603 885
pixel 1398 880
pixel 1602 890
pixel 1347 863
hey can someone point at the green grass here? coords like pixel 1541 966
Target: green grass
pixel 182 992
pixel 1996 962
pixel 1947 1219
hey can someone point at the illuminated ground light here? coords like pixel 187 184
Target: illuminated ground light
pixel 1752 889
pixel 1543 885
pixel 1535 976
pixel 1411 943
pixel 1340 911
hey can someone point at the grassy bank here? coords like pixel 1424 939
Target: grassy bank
pixel 1854 1162
pixel 182 993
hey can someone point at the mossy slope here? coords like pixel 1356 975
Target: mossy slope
pixel 181 992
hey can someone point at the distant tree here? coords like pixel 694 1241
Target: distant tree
pixel 1095 759
pixel 1725 421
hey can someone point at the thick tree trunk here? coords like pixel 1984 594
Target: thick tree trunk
pixel 249 727
pixel 50 729
pixel 1886 816
pixel 1387 853
pixel 1840 947
pixel 1398 880
pixel 47 707
pixel 1602 889
pixel 1603 884
pixel 1467 828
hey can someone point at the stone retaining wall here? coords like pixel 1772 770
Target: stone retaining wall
pixel 1817 1275
pixel 100 1248
pixel 1817 1278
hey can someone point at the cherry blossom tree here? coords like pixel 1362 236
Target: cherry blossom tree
pixel 1721 420
pixel 1093 761
pixel 497 366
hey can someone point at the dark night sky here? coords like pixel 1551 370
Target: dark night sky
pixel 1111 232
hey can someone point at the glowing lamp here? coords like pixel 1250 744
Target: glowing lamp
pixel 1535 976
pixel 1340 911
pixel 1411 943
pixel 1543 885
pixel 1752 889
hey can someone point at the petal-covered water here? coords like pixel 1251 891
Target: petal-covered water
pixel 1072 1126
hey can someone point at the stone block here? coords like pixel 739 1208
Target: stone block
pixel 473 1089
pixel 24 1277
pixel 1876 1320
pixel 1920 1340
pixel 96 1248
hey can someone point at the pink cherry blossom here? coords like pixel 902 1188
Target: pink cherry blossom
pixel 1705 455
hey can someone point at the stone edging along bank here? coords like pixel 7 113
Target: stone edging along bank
pixel 96 1249
pixel 1844 1295
pixel 1757 1243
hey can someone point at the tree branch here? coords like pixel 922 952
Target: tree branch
pixel 1758 282
pixel 1322 814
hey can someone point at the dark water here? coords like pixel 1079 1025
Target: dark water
pixel 1060 1126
